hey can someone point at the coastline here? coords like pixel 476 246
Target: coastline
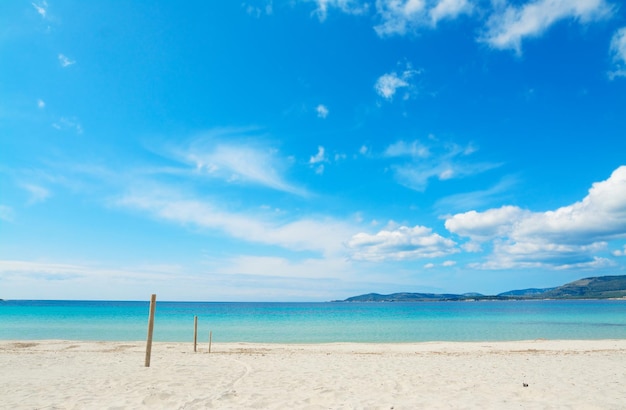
pixel 527 374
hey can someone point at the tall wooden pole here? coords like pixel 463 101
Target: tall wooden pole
pixel 195 333
pixel 150 329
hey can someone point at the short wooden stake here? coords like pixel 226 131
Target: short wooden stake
pixel 150 330
pixel 210 340
pixel 195 333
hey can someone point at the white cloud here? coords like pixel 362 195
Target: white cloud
pixel 600 216
pixel 618 53
pixel 65 61
pixel 41 8
pixel 508 26
pixel 618 252
pixel 399 17
pixel 6 213
pixel 319 157
pixel 41 103
pixel 388 84
pixel 471 247
pixel 402 243
pixel 241 162
pixel 319 234
pixel 570 236
pixel 322 111
pixel 445 264
pixel 449 9
pixel 482 226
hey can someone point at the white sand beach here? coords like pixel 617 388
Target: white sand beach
pixel 499 375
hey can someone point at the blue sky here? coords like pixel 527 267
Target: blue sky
pixel 309 150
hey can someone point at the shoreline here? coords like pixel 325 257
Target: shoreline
pixel 529 374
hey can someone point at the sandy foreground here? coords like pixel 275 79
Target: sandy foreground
pixel 502 375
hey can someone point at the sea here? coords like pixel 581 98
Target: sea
pixel 314 322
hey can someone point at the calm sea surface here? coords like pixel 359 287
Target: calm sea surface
pixel 315 322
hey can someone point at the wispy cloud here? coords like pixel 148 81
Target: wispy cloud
pixel 65 61
pixel 417 176
pixel 345 6
pixel 414 149
pixel 42 8
pixel 72 124
pixel 258 11
pixel 618 53
pixel 569 237
pixel 402 243
pixel 388 84
pixel 508 26
pixel 240 161
pixel 476 199
pixel 319 234
pixel 41 103
pixel 422 162
pixel 36 193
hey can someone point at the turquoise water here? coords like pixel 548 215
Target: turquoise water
pixel 316 322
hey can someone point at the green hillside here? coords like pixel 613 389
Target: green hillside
pixel 602 287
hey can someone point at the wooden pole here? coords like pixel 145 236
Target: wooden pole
pixel 150 329
pixel 195 333
pixel 210 340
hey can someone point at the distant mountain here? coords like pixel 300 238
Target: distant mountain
pixel 525 292
pixel 602 287
pixel 402 297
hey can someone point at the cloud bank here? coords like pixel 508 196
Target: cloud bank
pixel 568 237
pixel 403 243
